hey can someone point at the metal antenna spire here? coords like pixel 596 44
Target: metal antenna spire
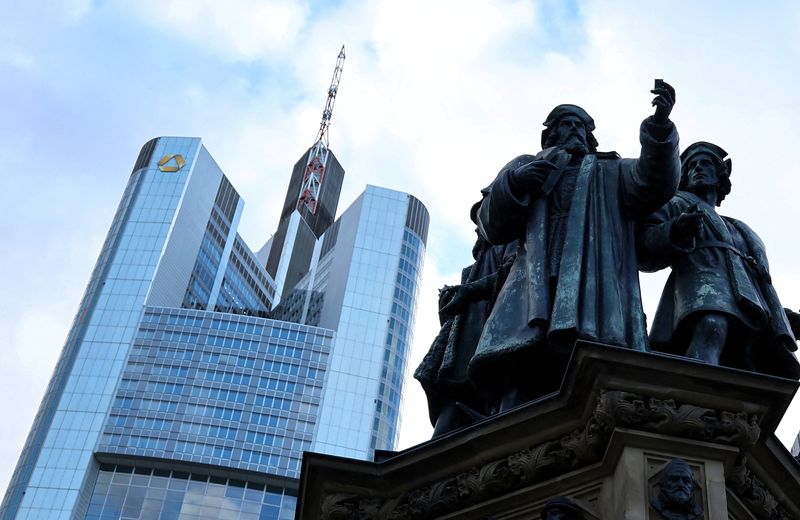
pixel 318 155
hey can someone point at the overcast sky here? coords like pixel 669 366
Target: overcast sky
pixel 435 97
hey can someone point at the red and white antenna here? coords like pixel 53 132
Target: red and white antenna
pixel 318 155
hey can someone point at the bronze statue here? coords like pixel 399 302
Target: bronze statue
pixel 452 401
pixel 676 495
pixel 562 508
pixel 718 305
pixel 573 211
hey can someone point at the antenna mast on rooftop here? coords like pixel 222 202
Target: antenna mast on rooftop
pixel 318 155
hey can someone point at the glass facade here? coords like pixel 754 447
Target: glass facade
pixel 177 395
pixel 369 278
pixel 227 390
pixel 57 457
pixel 141 492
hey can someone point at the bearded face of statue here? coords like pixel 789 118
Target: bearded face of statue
pixel 571 135
pixel 677 485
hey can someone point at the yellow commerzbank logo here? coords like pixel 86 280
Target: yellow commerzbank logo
pixel 171 163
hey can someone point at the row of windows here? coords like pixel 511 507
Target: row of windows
pixel 151 405
pixel 146 423
pixel 211 231
pixel 227 359
pixel 152 387
pixel 285 350
pixel 216 412
pixel 168 370
pixel 224 377
pixel 217 218
pixel 277 385
pixel 263 439
pixel 207 430
pixel 292 335
pixel 276 403
pixel 134 441
pixel 254 266
pixel 247 282
pixel 405 282
pixel 237 326
pixel 401 312
pixel 227 342
pixel 222 394
pixel 411 240
pixel 205 450
pixel 268 459
pixel 402 296
pixel 408 268
pixel 264 419
pixel 162 351
pixel 399 327
pixel 407 251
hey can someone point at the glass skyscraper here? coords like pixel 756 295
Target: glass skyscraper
pixel 177 395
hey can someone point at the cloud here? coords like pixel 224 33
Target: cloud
pixel 435 98
pixel 233 30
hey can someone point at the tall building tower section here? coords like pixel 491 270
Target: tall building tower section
pixel 155 388
pixel 363 284
pixel 179 394
pixel 310 204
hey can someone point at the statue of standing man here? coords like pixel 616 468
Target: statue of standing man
pixel 573 210
pixel 718 304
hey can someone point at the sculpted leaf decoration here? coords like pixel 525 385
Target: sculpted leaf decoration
pixel 578 448
pixel 754 494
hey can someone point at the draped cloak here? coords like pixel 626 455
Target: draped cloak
pixel 725 271
pixel 443 371
pixel 596 295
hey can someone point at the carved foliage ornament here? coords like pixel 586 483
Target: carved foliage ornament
pixel 752 492
pixel 577 449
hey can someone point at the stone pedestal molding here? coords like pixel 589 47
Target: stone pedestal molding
pixel 602 442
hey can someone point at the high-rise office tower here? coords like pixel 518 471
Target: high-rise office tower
pixel 310 204
pixel 175 397
pixel 363 283
pixel 301 224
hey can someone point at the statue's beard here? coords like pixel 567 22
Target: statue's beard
pixel 574 145
pixel 680 497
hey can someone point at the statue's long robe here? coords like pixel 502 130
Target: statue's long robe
pixel 443 371
pixel 724 271
pixel 597 295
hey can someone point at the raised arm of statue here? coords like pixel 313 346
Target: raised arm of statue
pixel 654 178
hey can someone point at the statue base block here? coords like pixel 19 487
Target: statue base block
pixel 606 442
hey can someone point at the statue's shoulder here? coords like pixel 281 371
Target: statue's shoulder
pixel 607 156
pixel 741 226
pixel 518 161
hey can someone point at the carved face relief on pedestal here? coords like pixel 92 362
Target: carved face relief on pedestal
pixel 676 497
pixel 562 508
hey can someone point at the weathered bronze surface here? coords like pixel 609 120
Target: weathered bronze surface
pixel 719 304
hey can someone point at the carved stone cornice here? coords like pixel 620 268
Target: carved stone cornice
pixel 754 494
pixel 579 448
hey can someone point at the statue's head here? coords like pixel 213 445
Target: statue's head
pixel 561 508
pixel 677 483
pixel 705 165
pixel 569 127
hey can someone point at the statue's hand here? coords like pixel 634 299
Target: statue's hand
pixel 453 300
pixel 530 177
pixel 687 226
pixel 664 101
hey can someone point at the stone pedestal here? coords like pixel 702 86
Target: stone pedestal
pixel 603 442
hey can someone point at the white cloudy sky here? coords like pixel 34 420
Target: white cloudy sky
pixel 435 97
